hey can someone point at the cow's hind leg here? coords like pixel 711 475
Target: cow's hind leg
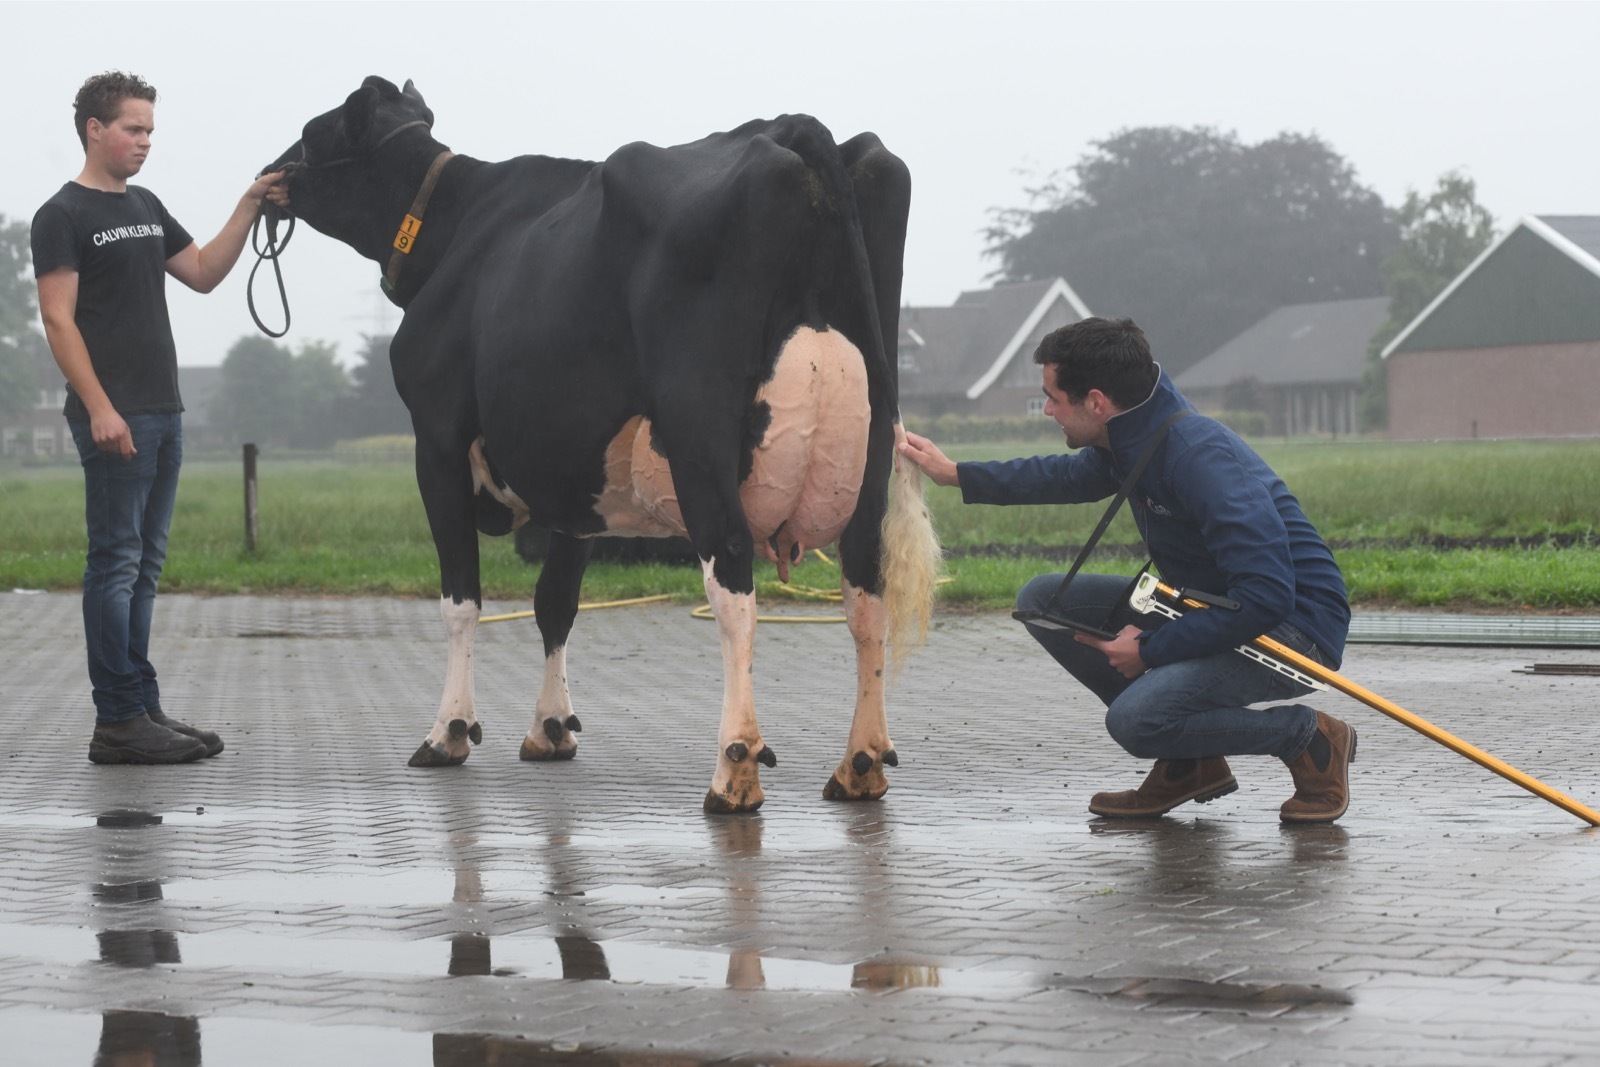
pixel 859 775
pixel 736 785
pixel 555 605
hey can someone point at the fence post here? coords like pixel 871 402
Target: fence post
pixel 250 452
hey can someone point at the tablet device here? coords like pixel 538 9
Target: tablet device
pixel 1046 621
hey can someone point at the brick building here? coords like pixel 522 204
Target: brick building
pixel 1511 348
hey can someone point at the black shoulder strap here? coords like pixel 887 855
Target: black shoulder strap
pixel 1116 501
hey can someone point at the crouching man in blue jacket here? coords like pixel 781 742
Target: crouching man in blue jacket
pixel 1215 518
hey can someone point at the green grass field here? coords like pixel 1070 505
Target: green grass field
pixel 330 527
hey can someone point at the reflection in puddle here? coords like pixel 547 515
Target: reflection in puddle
pixel 480 1050
pixel 583 959
pixel 151 1039
pixel 653 894
pixel 121 819
pixel 389 889
pixel 1184 994
pixel 129 819
pixel 570 958
pixel 117 893
pixel 138 948
pixel 148 1037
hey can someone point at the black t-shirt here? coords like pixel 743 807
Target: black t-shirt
pixel 119 244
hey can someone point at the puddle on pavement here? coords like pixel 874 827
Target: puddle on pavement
pixel 158 1040
pixel 571 958
pixel 130 819
pixel 1184 994
pixel 387 889
pixel 790 835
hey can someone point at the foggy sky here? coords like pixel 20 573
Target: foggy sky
pixel 981 100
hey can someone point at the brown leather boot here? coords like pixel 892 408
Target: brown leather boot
pixel 1170 782
pixel 1322 774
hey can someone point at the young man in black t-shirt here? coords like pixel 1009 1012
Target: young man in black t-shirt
pixel 101 251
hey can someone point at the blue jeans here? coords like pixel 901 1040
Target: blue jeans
pixel 127 507
pixel 1191 709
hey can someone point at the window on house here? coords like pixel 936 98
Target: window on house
pixel 1036 405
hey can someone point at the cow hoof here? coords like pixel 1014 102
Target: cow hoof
pixel 718 804
pixel 536 748
pixel 837 790
pixel 860 777
pixel 431 755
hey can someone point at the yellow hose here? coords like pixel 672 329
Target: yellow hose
pixel 584 607
pixel 805 592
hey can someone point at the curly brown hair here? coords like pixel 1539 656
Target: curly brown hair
pixel 101 98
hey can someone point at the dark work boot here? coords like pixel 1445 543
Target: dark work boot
pixel 1171 782
pixel 212 742
pixel 1322 774
pixel 139 740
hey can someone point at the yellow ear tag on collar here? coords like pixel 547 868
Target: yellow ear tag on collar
pixel 407 234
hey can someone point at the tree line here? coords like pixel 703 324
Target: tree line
pixel 1197 236
pixel 272 396
pixel 1190 231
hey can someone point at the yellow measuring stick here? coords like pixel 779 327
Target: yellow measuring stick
pixel 1396 712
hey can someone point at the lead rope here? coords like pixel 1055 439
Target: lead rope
pixel 272 251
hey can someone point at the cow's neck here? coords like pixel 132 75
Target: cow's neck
pixel 411 224
pixel 391 222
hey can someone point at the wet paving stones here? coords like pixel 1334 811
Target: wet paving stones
pixel 306 897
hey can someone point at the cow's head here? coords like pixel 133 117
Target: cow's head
pixel 352 163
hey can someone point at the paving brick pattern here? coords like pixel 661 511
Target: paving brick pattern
pixel 307 897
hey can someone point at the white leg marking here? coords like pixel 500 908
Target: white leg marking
pixel 737 782
pixel 554 703
pixel 554 700
pixel 868 619
pixel 461 628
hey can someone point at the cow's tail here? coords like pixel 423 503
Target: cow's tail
pixel 912 559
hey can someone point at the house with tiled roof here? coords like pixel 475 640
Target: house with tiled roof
pixel 1511 347
pixel 975 357
pixel 1300 366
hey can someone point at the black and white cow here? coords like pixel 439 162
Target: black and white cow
pixel 690 340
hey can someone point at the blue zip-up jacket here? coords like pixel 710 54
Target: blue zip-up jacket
pixel 1214 516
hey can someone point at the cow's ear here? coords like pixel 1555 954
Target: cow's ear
pixel 410 90
pixel 359 109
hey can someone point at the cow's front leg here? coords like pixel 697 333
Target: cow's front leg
pixel 553 734
pixel 456 728
pixel 859 775
pixel 736 785
pixel 555 605
pixel 444 478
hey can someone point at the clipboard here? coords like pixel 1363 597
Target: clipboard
pixel 1045 621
